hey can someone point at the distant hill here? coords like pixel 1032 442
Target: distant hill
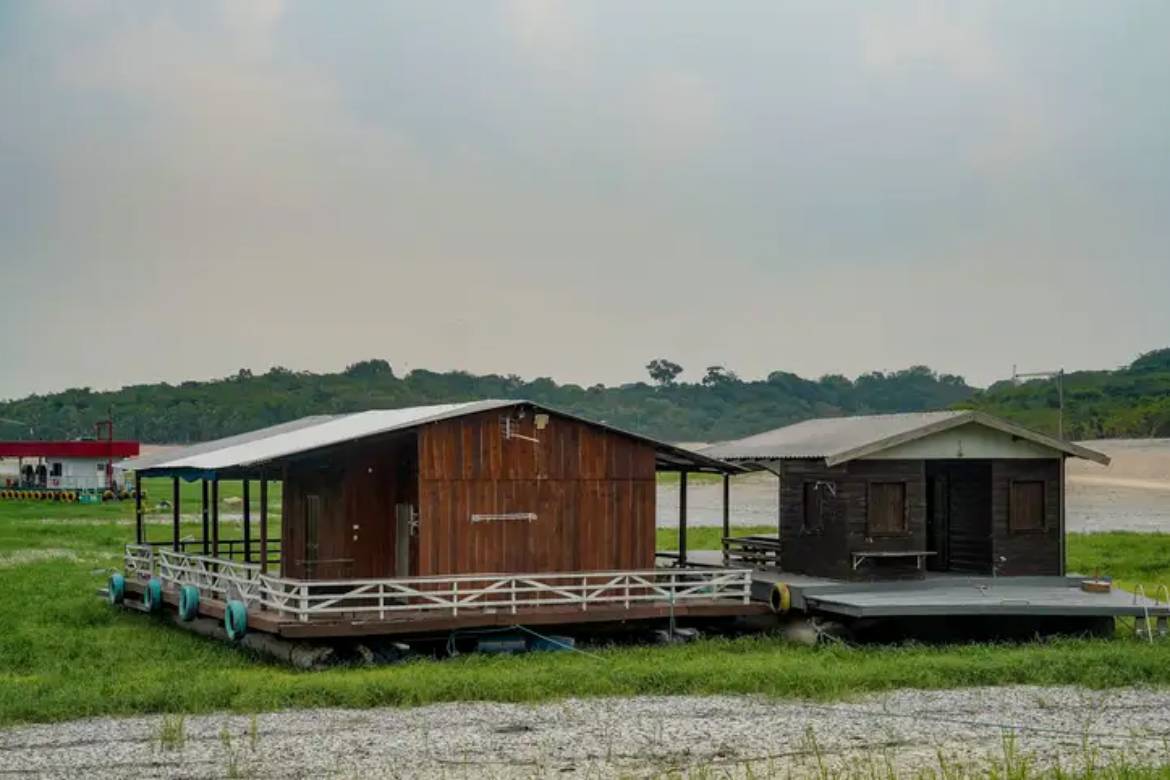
pixel 1131 402
pixel 720 407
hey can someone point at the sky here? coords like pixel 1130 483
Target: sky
pixel 573 189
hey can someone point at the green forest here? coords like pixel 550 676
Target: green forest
pixel 1130 402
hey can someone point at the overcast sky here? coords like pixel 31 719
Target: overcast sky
pixel 570 190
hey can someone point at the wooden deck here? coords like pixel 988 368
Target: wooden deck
pixel 434 624
pixel 298 608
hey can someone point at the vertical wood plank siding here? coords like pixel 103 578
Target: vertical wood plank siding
pixel 592 491
pixel 357 485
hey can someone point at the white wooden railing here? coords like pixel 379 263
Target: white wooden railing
pixel 377 599
pixel 139 561
pixel 215 577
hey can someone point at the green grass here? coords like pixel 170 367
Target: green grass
pixel 66 654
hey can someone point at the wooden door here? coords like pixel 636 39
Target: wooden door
pixel 937 516
pixel 969 518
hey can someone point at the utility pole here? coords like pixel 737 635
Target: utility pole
pixel 1058 375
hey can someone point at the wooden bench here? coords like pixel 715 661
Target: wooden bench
pixel 920 556
pixel 755 551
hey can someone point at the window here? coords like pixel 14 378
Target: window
pixel 887 509
pixel 1026 512
pixel 101 467
pixel 814 508
pixel 56 472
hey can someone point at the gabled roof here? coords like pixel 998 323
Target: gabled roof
pixel 841 439
pixel 238 455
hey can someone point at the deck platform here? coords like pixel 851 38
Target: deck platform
pixel 942 594
pixel 413 606
pixel 428 624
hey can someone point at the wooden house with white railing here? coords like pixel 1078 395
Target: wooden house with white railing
pixel 430 519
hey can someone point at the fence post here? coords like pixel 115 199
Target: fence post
pixel 304 593
pixel 455 597
pixel 513 589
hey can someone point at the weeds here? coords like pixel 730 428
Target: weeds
pixel 172 732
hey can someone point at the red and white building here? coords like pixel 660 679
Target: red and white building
pixel 64 465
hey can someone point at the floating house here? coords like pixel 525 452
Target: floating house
pixel 429 519
pixel 927 514
pixel 897 494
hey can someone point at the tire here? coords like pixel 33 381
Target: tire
pixel 116 589
pixel 188 602
pixel 152 596
pixel 235 620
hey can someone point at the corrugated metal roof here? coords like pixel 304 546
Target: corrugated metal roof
pixel 313 433
pixel 840 439
pixel 173 453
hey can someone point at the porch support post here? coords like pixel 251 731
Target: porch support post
pixel 726 505
pixel 682 518
pixel 264 525
pixel 726 515
pixel 215 517
pixel 779 503
pixel 206 531
pixel 175 514
pixel 247 522
pixel 139 530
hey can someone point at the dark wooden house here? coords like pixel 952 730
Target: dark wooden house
pixel 897 495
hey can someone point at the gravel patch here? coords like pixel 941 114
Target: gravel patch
pixel 721 736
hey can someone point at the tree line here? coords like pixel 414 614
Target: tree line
pixel 1134 401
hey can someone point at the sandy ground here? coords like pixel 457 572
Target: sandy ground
pixel 720 736
pixel 1132 493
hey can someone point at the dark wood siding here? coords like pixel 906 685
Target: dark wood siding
pixel 971 501
pixel 592 493
pixel 1027 552
pixel 845 515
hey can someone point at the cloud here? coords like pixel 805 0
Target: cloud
pixel 674 115
pixel 548 30
pixel 930 33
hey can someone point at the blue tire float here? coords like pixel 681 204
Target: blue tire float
pixel 116 589
pixel 235 620
pixel 152 596
pixel 188 602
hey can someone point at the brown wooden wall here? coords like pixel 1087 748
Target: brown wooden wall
pixel 593 493
pixel 977 516
pixel 827 552
pixel 1033 552
pixel 356 485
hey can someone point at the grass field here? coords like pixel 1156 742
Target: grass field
pixel 66 654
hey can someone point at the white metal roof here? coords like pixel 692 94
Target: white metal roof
pixel 841 439
pixel 313 433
